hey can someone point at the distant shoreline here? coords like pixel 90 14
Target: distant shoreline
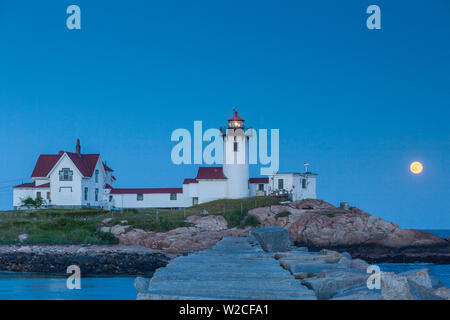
pixel 92 260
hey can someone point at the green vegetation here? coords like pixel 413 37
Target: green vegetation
pixel 30 202
pixel 282 214
pixel 81 226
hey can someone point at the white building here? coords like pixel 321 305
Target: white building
pixel 84 180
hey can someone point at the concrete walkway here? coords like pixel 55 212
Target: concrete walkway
pixel 232 269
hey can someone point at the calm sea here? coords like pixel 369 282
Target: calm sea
pixel 25 286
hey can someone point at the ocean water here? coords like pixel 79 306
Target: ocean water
pixel 26 286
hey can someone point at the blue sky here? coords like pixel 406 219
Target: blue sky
pixel 359 105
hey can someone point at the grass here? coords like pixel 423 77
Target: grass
pixel 81 226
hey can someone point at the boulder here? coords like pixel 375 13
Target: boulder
pixel 24 249
pixel 346 262
pixel 420 277
pixel 359 264
pixel 107 220
pixel 443 292
pixel 105 229
pixel 329 284
pixel 81 251
pixel 272 239
pixel 141 284
pixel 208 223
pixel 358 293
pixel 421 293
pixel 118 229
pixel 23 237
pixel 395 287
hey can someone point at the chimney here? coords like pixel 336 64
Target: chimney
pixel 78 148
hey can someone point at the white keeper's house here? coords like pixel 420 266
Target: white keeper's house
pixel 74 179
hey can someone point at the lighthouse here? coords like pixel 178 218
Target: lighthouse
pixel 236 158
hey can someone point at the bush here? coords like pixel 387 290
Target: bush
pixel 282 214
pixel 251 221
pixel 233 218
pixel 106 237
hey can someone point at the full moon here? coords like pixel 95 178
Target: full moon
pixel 416 167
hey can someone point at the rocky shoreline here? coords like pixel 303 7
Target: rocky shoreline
pixel 311 223
pixel 318 225
pixel 92 260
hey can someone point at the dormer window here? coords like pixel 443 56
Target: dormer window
pixel 66 175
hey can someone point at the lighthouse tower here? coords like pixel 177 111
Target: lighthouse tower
pixel 235 153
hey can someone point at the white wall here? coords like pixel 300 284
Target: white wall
pixel 254 189
pixel 209 190
pixel 89 182
pixel 20 194
pixel 61 194
pixel 151 200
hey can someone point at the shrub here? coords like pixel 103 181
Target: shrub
pixel 250 221
pixel 282 214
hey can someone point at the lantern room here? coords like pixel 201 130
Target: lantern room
pixel 236 122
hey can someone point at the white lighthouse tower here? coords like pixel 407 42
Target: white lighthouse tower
pixel 235 153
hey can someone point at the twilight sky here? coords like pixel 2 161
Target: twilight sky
pixel 359 105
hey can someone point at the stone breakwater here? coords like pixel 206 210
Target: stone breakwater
pixel 239 268
pixel 92 260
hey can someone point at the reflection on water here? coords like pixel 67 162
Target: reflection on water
pixel 25 286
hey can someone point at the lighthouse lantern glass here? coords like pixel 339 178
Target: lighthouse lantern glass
pixel 235 124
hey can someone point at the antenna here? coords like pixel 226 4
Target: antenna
pixel 306 167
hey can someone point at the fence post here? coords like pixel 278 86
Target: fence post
pixel 241 209
pixel 184 213
pixel 157 216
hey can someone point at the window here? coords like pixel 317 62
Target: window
pixel 140 197
pixel 280 184
pixel 110 198
pixel 235 146
pixel 173 196
pixel 96 194
pixel 261 187
pixel 96 176
pixel 65 175
pixel 48 195
pixel 304 183
pixel 86 192
pixel 38 195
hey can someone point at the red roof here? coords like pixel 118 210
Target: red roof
pixel 108 186
pixel 236 117
pixel 84 162
pixel 44 164
pixel 258 180
pixel 210 173
pixel 33 185
pixel 146 190
pixel 189 180
pixel 107 168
